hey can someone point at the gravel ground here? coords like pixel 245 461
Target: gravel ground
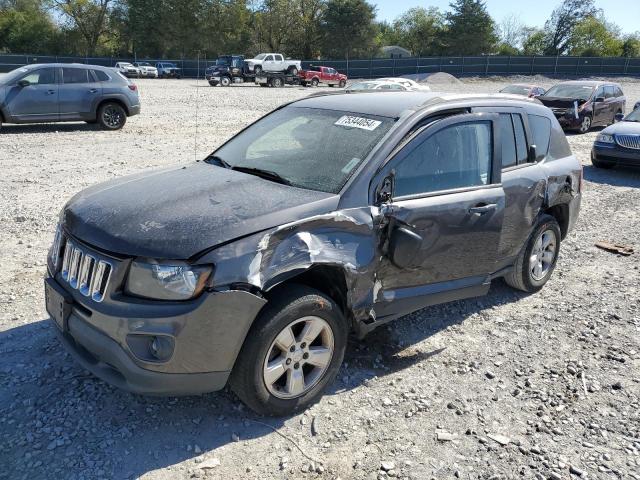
pixel 505 386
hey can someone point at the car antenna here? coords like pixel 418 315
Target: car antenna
pixel 195 137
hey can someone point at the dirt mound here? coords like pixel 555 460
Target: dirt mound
pixel 439 78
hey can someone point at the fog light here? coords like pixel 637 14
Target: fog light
pixel 161 348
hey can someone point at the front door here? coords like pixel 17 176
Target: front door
pixel 600 107
pixel 34 97
pixel 447 208
pixel 78 93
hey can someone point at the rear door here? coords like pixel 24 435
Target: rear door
pixel 78 93
pixel 37 101
pixel 448 197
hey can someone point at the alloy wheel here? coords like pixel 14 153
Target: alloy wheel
pixel 112 116
pixel 298 357
pixel 543 255
pixel 585 126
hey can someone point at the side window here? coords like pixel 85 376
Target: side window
pixel 599 93
pixel 279 58
pixel 609 92
pixel 75 75
pixel 619 92
pixel 268 58
pixel 455 157
pixel 541 131
pixel 43 76
pixel 101 76
pixel 508 140
pixel 521 139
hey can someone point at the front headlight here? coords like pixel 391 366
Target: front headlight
pixel 605 138
pixel 166 280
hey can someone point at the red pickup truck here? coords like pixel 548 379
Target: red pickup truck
pixel 326 75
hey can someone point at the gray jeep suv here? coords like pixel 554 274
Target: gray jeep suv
pixel 332 214
pixel 67 93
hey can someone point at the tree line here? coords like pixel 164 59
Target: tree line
pixel 304 29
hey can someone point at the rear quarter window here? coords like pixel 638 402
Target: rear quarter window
pixel 541 131
pixel 101 76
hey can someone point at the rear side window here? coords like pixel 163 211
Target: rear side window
pixel 609 91
pixel 101 76
pixel 541 132
pixel 619 92
pixel 75 75
pixel 457 156
pixel 508 140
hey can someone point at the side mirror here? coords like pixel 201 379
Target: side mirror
pixel 619 117
pixel 24 83
pixel 404 245
pixel 599 100
pixel 532 154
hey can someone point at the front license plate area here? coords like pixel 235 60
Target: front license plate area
pixel 58 303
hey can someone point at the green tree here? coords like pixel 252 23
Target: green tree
pixel 594 37
pixel 631 45
pixel 349 29
pixel 420 30
pixel 26 27
pixel 535 42
pixel 88 16
pixel 563 21
pixel 470 28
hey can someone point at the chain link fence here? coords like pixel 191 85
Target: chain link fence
pixel 392 67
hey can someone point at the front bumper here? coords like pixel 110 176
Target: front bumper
pixel 111 339
pixel 614 154
pixel 569 121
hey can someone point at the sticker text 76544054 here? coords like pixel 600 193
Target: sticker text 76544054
pixel 358 122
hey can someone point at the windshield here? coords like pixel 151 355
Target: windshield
pixel 516 90
pixel 223 61
pixel 13 75
pixel 580 92
pixel 169 65
pixel 633 116
pixel 307 147
pixel 261 56
pixel 143 64
pixel 125 64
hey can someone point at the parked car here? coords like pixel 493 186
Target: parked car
pixel 580 105
pixel 168 70
pixel 326 75
pixel 406 82
pixel 273 62
pixel 384 84
pixel 63 92
pixel 525 89
pixel 332 214
pixel 146 69
pixel 618 144
pixel 127 69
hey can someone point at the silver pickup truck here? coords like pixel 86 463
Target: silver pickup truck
pixel 273 62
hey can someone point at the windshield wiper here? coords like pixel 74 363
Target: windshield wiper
pixel 266 174
pixel 214 159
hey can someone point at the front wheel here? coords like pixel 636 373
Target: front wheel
pixel 225 81
pixel 292 352
pixel 292 71
pixel 342 83
pixel 538 258
pixel 257 69
pixel 314 82
pixel 111 116
pixel 585 126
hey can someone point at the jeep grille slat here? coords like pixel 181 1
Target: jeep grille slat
pixel 85 272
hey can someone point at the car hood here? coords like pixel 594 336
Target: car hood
pixel 177 212
pixel 623 128
pixel 560 102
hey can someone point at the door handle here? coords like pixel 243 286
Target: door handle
pixel 93 90
pixel 50 92
pixel 482 209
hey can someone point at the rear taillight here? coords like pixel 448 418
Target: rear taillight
pixel 133 87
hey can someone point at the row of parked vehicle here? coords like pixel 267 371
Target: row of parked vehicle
pixel 146 70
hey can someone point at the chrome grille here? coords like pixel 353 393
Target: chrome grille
pixel 628 141
pixel 558 111
pixel 84 272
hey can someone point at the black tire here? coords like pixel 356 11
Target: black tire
pixel 314 82
pixel 290 305
pixel 342 84
pixel 257 69
pixel 613 120
pixel 277 82
pixel 225 81
pixel 111 116
pixel 303 83
pixel 292 71
pixel 521 277
pixel 213 84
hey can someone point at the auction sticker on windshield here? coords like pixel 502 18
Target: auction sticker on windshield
pixel 358 122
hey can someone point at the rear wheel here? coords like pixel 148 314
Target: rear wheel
pixel 257 69
pixel 111 116
pixel 277 82
pixel 293 351
pixel 342 83
pixel 213 84
pixel 292 71
pixel 538 258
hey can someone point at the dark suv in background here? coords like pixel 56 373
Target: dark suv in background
pixel 332 214
pixel 67 93
pixel 580 105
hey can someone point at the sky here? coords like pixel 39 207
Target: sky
pixel 625 13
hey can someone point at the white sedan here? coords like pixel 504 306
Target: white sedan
pixel 402 84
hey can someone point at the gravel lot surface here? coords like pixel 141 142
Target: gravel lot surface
pixel 505 386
